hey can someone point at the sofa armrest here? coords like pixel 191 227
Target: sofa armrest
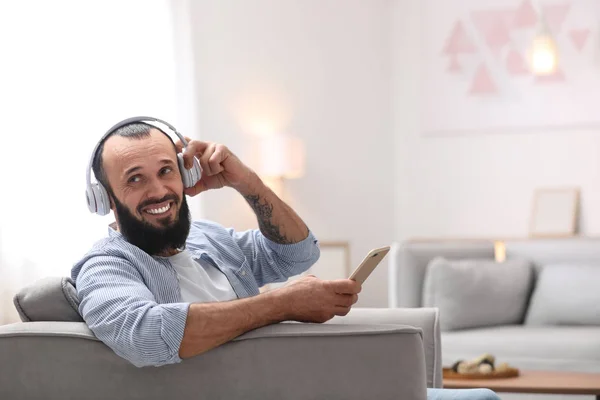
pixel 42 360
pixel 427 319
pixel 47 329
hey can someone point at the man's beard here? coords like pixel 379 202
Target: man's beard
pixel 152 239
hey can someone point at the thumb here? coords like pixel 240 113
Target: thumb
pixel 198 188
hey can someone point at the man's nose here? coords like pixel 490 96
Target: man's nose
pixel 157 189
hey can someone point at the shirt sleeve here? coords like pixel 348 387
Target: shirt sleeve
pixel 122 312
pixel 275 262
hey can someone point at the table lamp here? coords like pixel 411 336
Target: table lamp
pixel 281 157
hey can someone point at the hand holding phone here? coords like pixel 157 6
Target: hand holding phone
pixel 368 264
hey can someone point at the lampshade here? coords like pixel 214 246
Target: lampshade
pixel 282 156
pixel 544 55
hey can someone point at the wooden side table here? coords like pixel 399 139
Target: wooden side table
pixel 545 382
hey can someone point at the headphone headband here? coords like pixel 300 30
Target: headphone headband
pixel 121 124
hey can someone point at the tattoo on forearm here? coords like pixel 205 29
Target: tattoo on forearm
pixel 264 214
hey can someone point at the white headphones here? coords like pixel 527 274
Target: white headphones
pixel 97 196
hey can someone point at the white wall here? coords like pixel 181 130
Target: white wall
pixel 477 185
pixel 344 77
pixel 321 71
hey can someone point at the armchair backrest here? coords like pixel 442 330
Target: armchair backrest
pixel 408 261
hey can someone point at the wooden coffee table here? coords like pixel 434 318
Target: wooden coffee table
pixel 548 382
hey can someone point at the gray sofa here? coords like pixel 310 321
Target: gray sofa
pixel 547 318
pixel 370 353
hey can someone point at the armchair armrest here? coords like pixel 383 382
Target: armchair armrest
pixel 291 361
pixel 427 319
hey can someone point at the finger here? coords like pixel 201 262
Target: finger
pixel 354 298
pixel 344 300
pixel 215 161
pixel 206 167
pixel 342 311
pixel 346 286
pixel 179 144
pixel 194 148
pixel 199 187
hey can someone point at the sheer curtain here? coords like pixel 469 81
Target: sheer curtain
pixel 68 71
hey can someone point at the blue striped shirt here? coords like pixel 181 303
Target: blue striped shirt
pixel 132 302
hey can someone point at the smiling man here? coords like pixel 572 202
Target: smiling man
pixel 161 288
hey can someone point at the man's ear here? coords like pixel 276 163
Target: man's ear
pixel 111 197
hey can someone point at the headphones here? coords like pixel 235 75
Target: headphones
pixel 97 196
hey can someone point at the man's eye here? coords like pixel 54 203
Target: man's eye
pixel 134 179
pixel 166 170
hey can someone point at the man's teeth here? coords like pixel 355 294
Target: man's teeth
pixel 159 210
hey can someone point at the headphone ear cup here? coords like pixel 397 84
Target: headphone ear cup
pixel 103 193
pixel 91 199
pixel 196 172
pixel 101 199
pixel 189 176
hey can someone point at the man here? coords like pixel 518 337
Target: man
pixel 161 288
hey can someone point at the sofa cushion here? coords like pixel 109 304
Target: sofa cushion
pixel 565 348
pixel 476 293
pixel 48 299
pixel 566 295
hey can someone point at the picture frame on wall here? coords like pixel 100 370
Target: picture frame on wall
pixel 476 74
pixel 555 212
pixel 334 262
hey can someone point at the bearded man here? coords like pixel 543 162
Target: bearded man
pixel 162 288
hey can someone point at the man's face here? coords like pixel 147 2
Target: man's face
pixel 147 191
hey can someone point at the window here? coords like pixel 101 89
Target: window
pixel 68 71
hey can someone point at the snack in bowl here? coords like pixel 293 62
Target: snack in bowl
pixel 482 367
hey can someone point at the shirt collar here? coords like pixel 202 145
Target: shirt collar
pixel 112 231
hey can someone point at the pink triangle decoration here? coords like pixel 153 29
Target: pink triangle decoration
pixel 515 63
pixel 454 65
pixel 482 83
pixel 507 16
pixel 579 37
pixel 494 27
pixel 459 42
pixel 498 36
pixel 556 15
pixel 525 16
pixel 557 77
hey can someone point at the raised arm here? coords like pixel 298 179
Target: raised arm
pixel 276 220
pixel 285 246
pixel 220 168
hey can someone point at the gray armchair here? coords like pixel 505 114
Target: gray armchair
pixel 370 353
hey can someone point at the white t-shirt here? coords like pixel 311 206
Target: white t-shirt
pixel 200 281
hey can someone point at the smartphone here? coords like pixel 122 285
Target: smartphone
pixel 362 272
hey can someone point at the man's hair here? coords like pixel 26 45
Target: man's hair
pixel 137 131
